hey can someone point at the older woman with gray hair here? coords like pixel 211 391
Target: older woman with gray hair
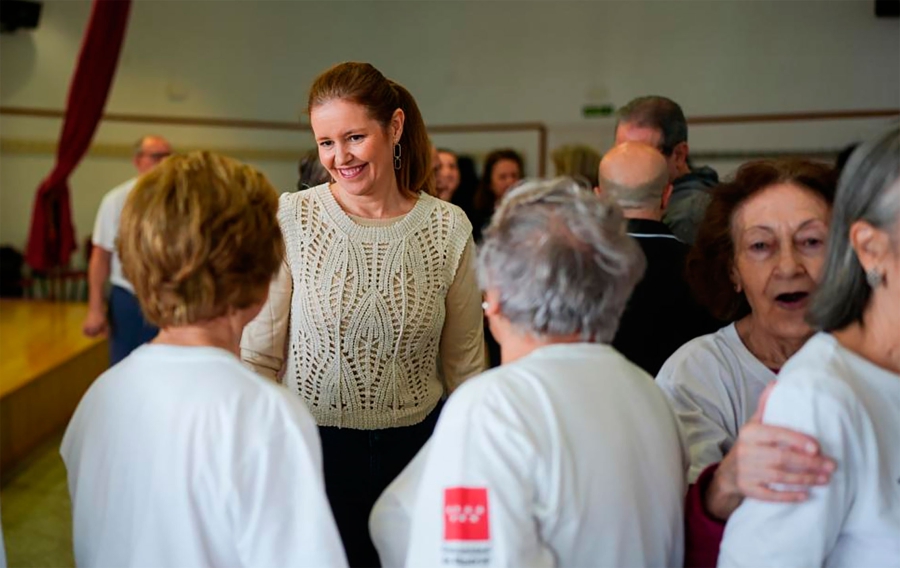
pixel 843 388
pixel 567 454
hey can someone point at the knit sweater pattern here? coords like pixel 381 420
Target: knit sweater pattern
pixel 368 308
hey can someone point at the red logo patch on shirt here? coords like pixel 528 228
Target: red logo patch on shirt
pixel 466 513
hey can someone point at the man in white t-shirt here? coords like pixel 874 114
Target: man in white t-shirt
pixel 122 319
pixel 567 454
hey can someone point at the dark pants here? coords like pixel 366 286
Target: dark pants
pixel 359 465
pixel 128 329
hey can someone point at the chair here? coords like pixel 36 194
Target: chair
pixel 63 284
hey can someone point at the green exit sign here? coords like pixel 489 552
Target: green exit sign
pixel 597 111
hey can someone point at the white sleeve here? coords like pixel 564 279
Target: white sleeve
pixel 106 223
pixel 798 534
pixel 703 408
pixel 476 500
pixel 389 522
pixel 283 517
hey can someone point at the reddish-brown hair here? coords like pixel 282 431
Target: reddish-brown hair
pixel 711 259
pixel 364 85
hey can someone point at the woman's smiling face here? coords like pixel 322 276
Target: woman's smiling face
pixel 355 149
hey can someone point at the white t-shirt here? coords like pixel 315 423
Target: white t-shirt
pixel 569 456
pixel 106 229
pixel 389 522
pixel 852 408
pixel 180 456
pixel 713 383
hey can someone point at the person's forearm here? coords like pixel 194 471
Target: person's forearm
pixel 98 273
pixel 723 496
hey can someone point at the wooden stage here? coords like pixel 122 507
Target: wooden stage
pixel 46 365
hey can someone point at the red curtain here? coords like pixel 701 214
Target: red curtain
pixel 51 239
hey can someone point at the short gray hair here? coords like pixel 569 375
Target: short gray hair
pixel 560 260
pixel 869 190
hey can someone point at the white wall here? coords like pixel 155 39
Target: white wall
pixel 490 61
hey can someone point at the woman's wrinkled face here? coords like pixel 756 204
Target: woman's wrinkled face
pixel 779 250
pixel 504 175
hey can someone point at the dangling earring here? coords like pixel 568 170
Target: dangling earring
pixel 874 278
pixel 397 156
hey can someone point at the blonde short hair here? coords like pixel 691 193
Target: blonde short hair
pixel 198 237
pixel 577 161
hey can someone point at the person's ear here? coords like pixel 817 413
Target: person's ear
pixel 397 121
pixel 680 152
pixel 735 277
pixel 871 245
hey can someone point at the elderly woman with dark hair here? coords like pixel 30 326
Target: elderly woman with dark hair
pixel 757 259
pixel 567 454
pixel 843 387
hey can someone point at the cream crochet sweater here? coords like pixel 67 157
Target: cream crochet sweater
pixel 356 323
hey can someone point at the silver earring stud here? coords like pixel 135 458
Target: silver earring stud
pixel 874 278
pixel 485 305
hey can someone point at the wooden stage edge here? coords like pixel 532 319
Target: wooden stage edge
pixel 47 367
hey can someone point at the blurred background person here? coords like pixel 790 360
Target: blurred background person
pixel 121 318
pixel 577 161
pixel 660 122
pixel 502 169
pixel 375 315
pixel 312 172
pixel 447 174
pixel 179 455
pixel 661 314
pixel 843 388
pixel 464 196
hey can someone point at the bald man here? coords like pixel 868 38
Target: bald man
pixel 121 319
pixel 661 315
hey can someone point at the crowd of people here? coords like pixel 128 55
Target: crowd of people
pixel 403 364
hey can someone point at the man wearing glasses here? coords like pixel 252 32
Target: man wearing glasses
pixel 122 319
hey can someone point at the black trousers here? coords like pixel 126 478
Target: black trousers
pixel 359 465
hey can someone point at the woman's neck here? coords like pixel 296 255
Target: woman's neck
pixel 384 204
pixel 772 351
pixel 219 332
pixel 875 339
pixel 523 344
